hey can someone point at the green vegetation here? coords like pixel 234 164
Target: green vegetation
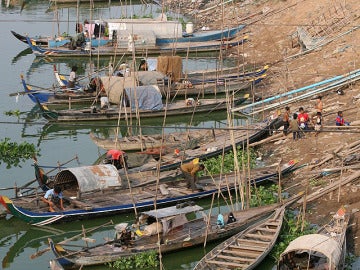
pixel 12 153
pixel 213 165
pixel 264 195
pixel 16 113
pixel 291 229
pixel 143 260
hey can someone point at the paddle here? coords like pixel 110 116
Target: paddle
pixel 41 252
pixel 29 93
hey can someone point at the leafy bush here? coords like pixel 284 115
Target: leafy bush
pixel 143 260
pixel 263 195
pixel 290 230
pixel 213 165
pixel 13 153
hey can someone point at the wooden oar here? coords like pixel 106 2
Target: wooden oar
pixel 41 252
pixel 29 93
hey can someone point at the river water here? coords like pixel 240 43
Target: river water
pixel 59 143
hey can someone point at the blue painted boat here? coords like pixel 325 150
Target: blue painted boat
pixel 93 191
pixel 38 95
pixel 202 36
pixel 57 96
pixel 50 42
pixel 147 48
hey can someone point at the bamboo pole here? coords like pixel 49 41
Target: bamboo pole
pixel 208 220
pixel 39 253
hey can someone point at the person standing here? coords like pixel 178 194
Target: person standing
pixel 294 127
pixel 318 123
pixel 189 171
pixel 72 77
pixel 286 120
pixel 54 197
pixel 318 108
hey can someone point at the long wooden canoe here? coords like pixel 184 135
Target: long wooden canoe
pixel 98 191
pixel 109 50
pixel 191 233
pixel 179 140
pixel 57 96
pixel 222 141
pixel 175 108
pixel 246 249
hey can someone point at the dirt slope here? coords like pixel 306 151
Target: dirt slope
pixel 273 39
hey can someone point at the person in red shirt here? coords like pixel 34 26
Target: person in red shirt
pixel 118 158
pixel 303 119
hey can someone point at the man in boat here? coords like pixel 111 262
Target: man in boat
pixel 143 66
pixel 54 197
pixel 190 170
pixel 72 77
pixel 123 236
pixel 118 158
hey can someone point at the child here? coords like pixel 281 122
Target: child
pixel 318 123
pixel 294 126
pixel 339 121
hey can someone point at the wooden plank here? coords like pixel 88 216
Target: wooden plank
pixel 260 236
pixel 267 230
pixel 234 258
pixel 247 247
pixel 247 254
pixel 240 265
pixel 272 223
pixel 253 242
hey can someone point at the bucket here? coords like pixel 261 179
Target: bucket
pixel 104 103
pixel 189 28
pixel 88 46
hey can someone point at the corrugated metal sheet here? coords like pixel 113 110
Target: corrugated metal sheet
pixel 89 178
pixel 172 211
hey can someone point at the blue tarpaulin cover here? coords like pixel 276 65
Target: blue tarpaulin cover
pixel 148 97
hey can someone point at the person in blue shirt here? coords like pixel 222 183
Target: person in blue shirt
pixel 54 197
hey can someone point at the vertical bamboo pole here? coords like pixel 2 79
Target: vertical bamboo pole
pixel 208 220
pixel 304 206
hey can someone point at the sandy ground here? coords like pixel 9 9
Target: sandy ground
pixel 272 27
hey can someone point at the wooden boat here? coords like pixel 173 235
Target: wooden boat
pixel 99 190
pixel 149 100
pixel 180 140
pixel 146 48
pixel 38 41
pixel 221 142
pixel 223 75
pixel 325 249
pixel 227 83
pixel 177 232
pixel 246 249
pixel 60 41
pixel 59 96
pixel 210 87
pixel 202 36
